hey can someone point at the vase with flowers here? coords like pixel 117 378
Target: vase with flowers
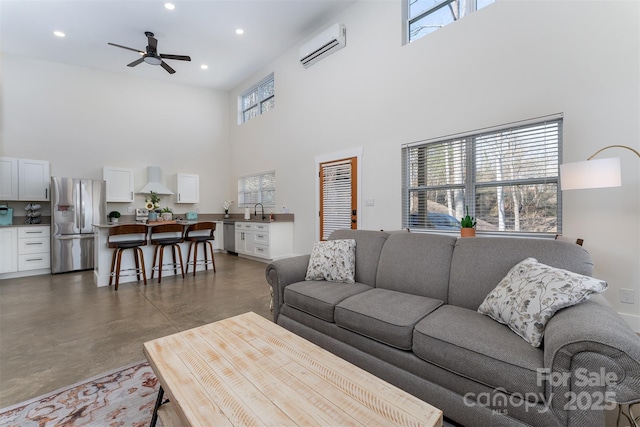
pixel 226 205
pixel 152 202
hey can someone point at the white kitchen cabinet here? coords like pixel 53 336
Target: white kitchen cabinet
pixel 34 248
pixel 33 180
pixel 264 240
pixel 8 249
pixel 119 184
pixel 188 186
pixel 8 178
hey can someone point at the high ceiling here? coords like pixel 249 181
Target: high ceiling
pixel 205 30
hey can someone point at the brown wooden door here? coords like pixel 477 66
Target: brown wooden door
pixel 338 196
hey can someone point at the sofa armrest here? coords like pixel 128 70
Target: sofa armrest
pixel 282 273
pixel 590 354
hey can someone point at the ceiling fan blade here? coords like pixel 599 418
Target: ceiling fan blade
pixel 136 62
pixel 128 48
pixel 178 57
pixel 166 67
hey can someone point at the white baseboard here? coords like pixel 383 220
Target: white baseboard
pixel 632 320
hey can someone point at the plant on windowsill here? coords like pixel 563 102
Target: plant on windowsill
pixel 467 225
pixel 113 216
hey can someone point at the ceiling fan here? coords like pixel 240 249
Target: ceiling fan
pixel 151 56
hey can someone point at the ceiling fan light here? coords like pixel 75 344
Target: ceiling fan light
pixel 152 60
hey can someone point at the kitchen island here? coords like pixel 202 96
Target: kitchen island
pixel 103 254
pixel 260 240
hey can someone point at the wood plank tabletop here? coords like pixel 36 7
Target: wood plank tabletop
pixel 246 370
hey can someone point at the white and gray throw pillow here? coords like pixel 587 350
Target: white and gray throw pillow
pixel 531 293
pixel 333 261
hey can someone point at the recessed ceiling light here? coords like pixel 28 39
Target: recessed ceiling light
pixel 169 6
pixel 239 31
pixel 204 66
pixel 59 34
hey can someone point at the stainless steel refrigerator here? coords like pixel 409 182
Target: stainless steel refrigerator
pixel 76 204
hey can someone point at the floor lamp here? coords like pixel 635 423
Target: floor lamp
pixel 591 173
pixel 598 174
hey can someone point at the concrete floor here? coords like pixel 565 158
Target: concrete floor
pixel 56 330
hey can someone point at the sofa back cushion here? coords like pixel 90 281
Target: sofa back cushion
pixel 368 246
pixel 417 264
pixel 480 263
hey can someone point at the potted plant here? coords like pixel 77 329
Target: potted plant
pixel 167 214
pixel 467 225
pixel 113 216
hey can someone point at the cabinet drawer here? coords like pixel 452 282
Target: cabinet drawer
pixel 261 251
pixel 33 261
pixel 261 237
pixel 33 245
pixel 261 227
pixel 33 232
pixel 244 226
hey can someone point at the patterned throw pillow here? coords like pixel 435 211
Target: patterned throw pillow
pixel 333 261
pixel 531 293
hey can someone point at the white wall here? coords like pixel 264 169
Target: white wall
pixel 513 60
pixel 81 119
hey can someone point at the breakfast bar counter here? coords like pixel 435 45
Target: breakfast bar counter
pixel 103 254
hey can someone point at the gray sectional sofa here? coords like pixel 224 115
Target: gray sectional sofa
pixel 411 318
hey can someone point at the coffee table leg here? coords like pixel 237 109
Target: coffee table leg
pixel 154 418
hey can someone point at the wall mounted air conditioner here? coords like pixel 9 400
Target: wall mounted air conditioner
pixel 324 44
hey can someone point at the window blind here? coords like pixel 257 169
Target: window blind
pixel 507 177
pixel 336 206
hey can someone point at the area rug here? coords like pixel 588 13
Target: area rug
pixel 123 397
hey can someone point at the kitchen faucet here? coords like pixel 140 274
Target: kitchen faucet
pixel 255 210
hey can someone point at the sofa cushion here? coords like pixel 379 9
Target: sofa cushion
pixel 368 246
pixel 532 292
pixel 384 315
pixel 417 264
pixel 479 264
pixel 319 298
pixel 333 260
pixel 472 345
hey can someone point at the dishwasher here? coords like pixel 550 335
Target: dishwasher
pixel 229 236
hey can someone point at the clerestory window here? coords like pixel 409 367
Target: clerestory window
pixel 258 99
pixel 426 16
pixel 507 177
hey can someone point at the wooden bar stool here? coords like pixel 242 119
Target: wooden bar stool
pixel 166 235
pixel 121 238
pixel 201 232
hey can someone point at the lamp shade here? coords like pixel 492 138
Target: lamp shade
pixel 598 173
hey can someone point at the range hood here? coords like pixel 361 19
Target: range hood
pixel 154 182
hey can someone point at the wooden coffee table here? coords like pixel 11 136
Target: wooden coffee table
pixel 246 370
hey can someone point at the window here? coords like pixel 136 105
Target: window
pixel 257 100
pixel 259 188
pixel 426 16
pixel 506 176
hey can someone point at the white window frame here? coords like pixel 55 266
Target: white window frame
pixel 471 186
pixel 260 102
pixel 243 192
pixel 468 6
